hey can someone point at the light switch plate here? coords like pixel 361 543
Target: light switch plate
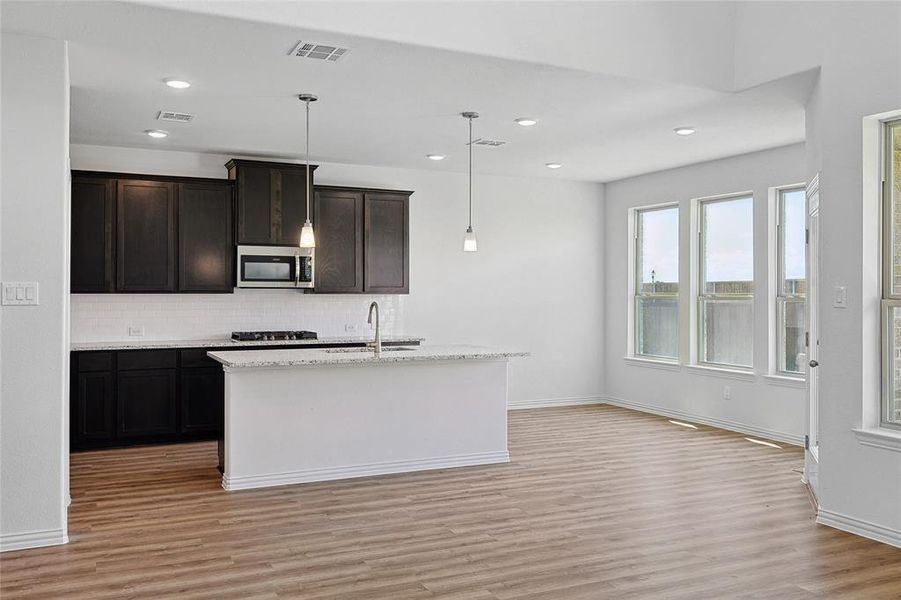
pixel 840 297
pixel 20 293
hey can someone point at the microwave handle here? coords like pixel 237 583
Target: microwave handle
pixel 296 270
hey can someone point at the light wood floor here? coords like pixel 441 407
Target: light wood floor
pixel 599 502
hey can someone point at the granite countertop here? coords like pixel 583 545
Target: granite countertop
pixel 249 359
pixel 226 342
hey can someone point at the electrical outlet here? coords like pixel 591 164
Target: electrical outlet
pixel 351 328
pixel 136 330
pixel 727 392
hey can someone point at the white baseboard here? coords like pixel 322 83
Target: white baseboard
pixel 548 402
pixel 865 529
pixel 385 468
pixel 33 539
pixel 770 434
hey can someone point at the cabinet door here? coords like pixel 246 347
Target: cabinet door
pixel 202 399
pixel 255 215
pixel 292 205
pixel 94 411
pixel 93 210
pixel 147 403
pixel 145 235
pixel 387 242
pixel 205 249
pixel 339 241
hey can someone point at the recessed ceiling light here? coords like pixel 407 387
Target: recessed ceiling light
pixel 526 122
pixel 156 133
pixel 178 84
pixel 435 156
pixel 553 165
pixel 684 130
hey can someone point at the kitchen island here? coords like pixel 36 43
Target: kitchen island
pixel 298 416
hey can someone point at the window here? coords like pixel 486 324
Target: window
pixel 891 279
pixel 791 280
pixel 726 282
pixel 656 316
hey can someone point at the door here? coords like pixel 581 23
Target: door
pixel 339 241
pixel 147 403
pixel 292 206
pixel 811 458
pixel 386 246
pixel 202 399
pixel 205 249
pixel 93 210
pixel 94 418
pixel 255 216
pixel 145 235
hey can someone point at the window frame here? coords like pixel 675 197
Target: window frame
pixel 700 279
pixel 780 298
pixel 635 275
pixel 889 300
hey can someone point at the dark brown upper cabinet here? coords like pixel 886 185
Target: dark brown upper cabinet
pixel 271 201
pixel 338 224
pixel 206 252
pixel 145 236
pixel 93 215
pixel 151 233
pixel 386 238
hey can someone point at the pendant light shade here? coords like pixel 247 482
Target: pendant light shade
pixel 470 244
pixel 469 240
pixel 307 239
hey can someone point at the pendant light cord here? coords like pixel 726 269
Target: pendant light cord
pixel 470 172
pixel 307 102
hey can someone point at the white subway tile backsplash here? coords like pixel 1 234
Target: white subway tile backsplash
pixel 107 317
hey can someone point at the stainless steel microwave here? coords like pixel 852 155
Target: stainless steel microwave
pixel 275 267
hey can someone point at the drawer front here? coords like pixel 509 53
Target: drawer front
pixel 196 357
pixel 95 361
pixel 131 360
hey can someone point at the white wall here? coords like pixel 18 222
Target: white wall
pixel 34 239
pixel 517 291
pixel 758 405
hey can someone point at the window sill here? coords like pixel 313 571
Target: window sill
pixel 887 439
pixel 740 374
pixel 652 363
pixel 786 381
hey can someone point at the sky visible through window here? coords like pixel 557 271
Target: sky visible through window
pixel 660 245
pixel 793 234
pixel 729 240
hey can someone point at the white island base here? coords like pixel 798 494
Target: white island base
pixel 353 416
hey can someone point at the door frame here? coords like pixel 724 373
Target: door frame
pixel 811 453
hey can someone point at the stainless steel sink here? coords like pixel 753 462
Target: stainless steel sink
pixel 367 349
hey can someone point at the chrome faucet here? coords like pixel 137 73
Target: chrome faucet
pixel 377 344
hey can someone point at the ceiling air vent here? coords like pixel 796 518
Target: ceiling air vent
pixel 318 51
pixel 487 142
pixel 178 117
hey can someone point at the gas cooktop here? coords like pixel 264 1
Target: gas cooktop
pixel 262 336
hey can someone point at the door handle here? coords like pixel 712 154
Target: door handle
pixel 813 364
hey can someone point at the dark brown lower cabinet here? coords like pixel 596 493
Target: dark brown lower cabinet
pixel 131 397
pixel 202 391
pixel 93 416
pixel 147 403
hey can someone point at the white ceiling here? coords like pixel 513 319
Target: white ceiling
pixel 390 103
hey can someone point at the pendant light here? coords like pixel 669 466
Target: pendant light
pixel 307 239
pixel 469 240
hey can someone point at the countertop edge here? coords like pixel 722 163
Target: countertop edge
pixel 225 343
